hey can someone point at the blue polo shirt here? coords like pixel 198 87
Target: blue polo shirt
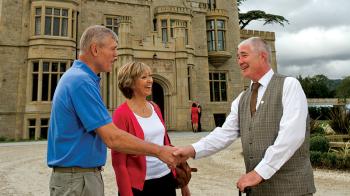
pixel 77 110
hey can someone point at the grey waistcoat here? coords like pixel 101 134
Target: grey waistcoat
pixel 259 132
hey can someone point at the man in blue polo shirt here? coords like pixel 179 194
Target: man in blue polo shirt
pixel 81 128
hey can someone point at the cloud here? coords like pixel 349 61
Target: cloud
pixel 314 44
pixel 317 40
pixel 333 69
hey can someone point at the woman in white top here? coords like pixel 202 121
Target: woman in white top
pixel 141 175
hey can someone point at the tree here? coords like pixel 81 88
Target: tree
pixel 343 89
pixel 317 86
pixel 253 15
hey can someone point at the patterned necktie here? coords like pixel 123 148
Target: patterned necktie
pixel 253 98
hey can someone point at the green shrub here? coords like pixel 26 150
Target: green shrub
pixel 319 143
pixel 343 163
pixel 315 158
pixel 318 131
pixel 329 159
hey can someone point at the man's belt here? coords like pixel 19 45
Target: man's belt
pixel 75 169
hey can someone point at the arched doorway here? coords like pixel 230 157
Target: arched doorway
pixel 158 96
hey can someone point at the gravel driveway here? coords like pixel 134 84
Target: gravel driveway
pixel 23 171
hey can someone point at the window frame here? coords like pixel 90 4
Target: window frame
pixel 216 86
pixel 66 29
pixel 36 92
pixel 113 26
pixel 38 127
pixel 213 31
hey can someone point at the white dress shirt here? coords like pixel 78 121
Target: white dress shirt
pixel 291 132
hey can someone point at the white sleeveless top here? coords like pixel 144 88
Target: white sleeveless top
pixel 153 130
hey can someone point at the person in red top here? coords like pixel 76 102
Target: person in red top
pixel 141 175
pixel 194 116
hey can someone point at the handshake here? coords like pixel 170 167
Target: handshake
pixel 175 158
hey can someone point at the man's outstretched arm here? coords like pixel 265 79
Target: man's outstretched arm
pixel 122 141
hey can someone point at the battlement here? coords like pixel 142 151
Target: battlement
pixel 217 12
pixel 173 9
pixel 266 35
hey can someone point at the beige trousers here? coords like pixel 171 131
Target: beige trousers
pixel 72 184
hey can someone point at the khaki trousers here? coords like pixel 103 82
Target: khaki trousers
pixel 72 184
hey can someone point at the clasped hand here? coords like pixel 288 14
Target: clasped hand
pixel 173 156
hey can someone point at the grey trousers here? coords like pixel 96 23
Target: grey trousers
pixel 72 184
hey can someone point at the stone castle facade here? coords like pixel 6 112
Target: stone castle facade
pixel 189 44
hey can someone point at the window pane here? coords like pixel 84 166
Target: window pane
pixel 222 76
pixel 72 24
pixel 65 12
pixel 43 132
pixel 35 87
pixel 64 28
pixel 56 26
pixel 37 25
pixel 221 45
pixel 211 91
pixel 216 91
pixel 164 23
pixel 56 12
pixel 115 29
pixel 164 35
pixel 48 11
pixel 44 121
pixel 46 66
pixel 210 76
pixel 47 25
pixel 62 67
pixel 115 22
pixel 109 21
pixel 45 88
pixel 53 84
pixel 31 122
pixel 38 11
pixel 216 76
pixel 221 24
pixel 31 133
pixel 35 66
pixel 211 40
pixel 210 25
pixel 223 91
pixel 54 67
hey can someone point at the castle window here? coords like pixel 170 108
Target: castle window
pixel 164 31
pixel 112 22
pixel 37 30
pixel 167 28
pixel 37 128
pixel 56 21
pixel 172 28
pixel 216 35
pixel 218 86
pixel 53 21
pixel 45 76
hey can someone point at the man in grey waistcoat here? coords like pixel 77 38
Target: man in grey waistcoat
pixel 271 117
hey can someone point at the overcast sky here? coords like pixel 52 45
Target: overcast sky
pixel 316 40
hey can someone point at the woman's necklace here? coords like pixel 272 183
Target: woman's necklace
pixel 143 111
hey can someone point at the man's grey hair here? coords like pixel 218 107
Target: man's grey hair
pixel 95 34
pixel 258 45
